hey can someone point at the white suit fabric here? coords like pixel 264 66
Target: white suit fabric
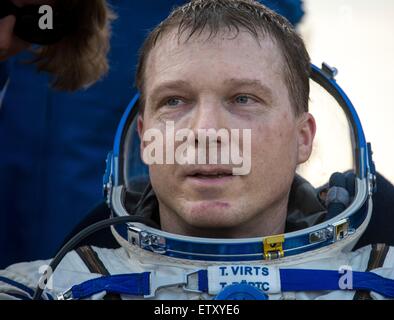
pixel 15 280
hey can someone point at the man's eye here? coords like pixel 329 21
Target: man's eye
pixel 173 102
pixel 244 99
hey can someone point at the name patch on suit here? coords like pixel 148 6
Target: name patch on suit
pixel 264 278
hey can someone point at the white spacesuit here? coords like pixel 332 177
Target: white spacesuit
pixel 313 261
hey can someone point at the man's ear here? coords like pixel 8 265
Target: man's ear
pixel 306 130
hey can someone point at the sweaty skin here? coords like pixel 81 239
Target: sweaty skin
pixel 231 82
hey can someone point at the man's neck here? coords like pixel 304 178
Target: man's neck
pixel 270 222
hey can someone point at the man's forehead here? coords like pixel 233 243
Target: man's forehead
pixel 172 41
pixel 173 53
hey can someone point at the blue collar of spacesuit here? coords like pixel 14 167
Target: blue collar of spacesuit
pixel 337 228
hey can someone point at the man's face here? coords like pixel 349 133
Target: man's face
pixel 225 83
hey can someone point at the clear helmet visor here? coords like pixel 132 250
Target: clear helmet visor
pixel 334 143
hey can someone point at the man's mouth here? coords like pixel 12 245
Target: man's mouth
pixel 210 174
pixel 209 171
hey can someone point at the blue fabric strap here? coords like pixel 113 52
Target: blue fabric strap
pixel 138 284
pixel 18 285
pixel 321 280
pixel 135 284
pixel 203 280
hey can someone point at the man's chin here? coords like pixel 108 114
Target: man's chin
pixel 210 214
pixel 209 205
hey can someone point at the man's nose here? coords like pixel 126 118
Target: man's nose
pixel 208 115
pixel 208 120
pixel 6 32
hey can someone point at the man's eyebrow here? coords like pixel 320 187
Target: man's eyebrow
pixel 234 82
pixel 169 85
pixel 257 84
